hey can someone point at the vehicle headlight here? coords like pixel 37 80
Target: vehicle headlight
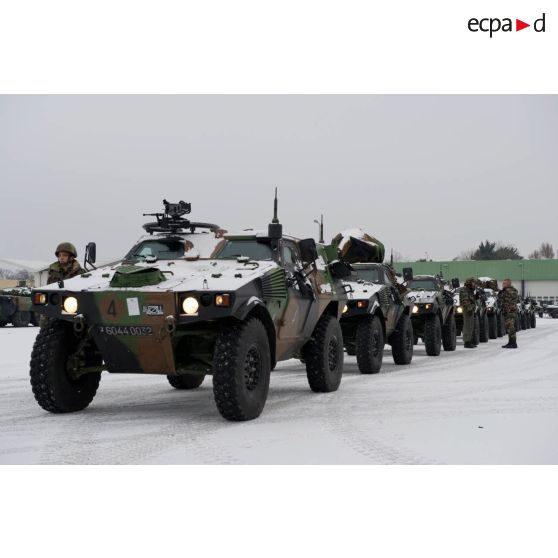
pixel 190 305
pixel 39 298
pixel 415 309
pixel 459 310
pixel 428 306
pixel 345 309
pixel 70 304
pixel 362 304
pixel 223 300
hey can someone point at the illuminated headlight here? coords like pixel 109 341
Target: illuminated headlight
pixel 190 305
pixel 415 309
pixel 39 298
pixel 70 304
pixel 362 303
pixel 223 300
pixel 345 309
pixel 428 306
pixel 459 310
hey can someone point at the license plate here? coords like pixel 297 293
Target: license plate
pixel 134 331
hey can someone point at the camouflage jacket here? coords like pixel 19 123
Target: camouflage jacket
pixel 467 300
pixel 57 272
pixel 508 299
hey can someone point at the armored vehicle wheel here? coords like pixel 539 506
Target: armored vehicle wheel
pixel 415 339
pixel 483 330
pixel 351 351
pixel 21 319
pixel 324 355
pixel 35 318
pixel 53 388
pixel 370 345
pixel 517 323
pixel 527 322
pixel 433 336
pixel 186 381
pixel 241 370
pixel 533 320
pixel 493 326
pixel 449 334
pixel 402 341
pixel 476 330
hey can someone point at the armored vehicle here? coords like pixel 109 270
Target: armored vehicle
pixel 376 313
pixel 481 323
pixel 552 310
pixel 189 300
pixel 432 313
pixel 496 327
pixel 15 307
pixel 530 309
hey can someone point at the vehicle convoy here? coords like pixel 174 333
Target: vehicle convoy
pixel 496 326
pixel 432 313
pixel 15 307
pixel 189 300
pixel 376 312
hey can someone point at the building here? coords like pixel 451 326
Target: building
pixel 38 269
pixel 535 278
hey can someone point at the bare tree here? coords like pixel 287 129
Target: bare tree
pixel 544 252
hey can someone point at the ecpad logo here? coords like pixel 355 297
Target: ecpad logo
pixel 493 25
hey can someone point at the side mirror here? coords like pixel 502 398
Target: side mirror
pixel 340 269
pixel 308 251
pixel 408 273
pixel 455 283
pixel 90 253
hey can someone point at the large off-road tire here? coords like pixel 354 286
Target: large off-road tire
pixel 21 318
pixel 533 320
pixel 370 345
pixel 527 321
pixel 449 334
pixel 433 335
pixel 517 323
pixel 350 350
pixel 53 389
pixel 402 341
pixel 483 330
pixel 493 326
pixel 476 330
pixel 324 355
pixel 186 381
pixel 241 370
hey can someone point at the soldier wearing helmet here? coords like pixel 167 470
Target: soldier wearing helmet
pixel 508 298
pixel 66 265
pixel 468 302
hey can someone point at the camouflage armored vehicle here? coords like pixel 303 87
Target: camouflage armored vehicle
pixel 552 310
pixel 481 324
pixel 376 311
pixel 15 307
pixel 530 309
pixel 496 327
pixel 432 313
pixel 189 300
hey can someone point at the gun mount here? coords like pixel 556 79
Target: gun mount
pixel 173 220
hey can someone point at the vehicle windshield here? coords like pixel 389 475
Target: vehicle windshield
pixel 370 275
pixel 161 249
pixel 251 248
pixel 426 284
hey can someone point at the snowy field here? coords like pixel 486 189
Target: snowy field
pixel 481 406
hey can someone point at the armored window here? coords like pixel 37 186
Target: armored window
pixel 426 284
pixel 289 254
pixel 370 275
pixel 162 250
pixel 252 249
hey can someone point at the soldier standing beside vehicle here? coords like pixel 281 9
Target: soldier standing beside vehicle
pixel 468 302
pixel 66 265
pixel 508 299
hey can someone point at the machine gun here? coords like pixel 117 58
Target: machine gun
pixel 172 220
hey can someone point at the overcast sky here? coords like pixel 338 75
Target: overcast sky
pixel 435 174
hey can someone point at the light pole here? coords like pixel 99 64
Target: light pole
pixel 522 265
pixel 320 224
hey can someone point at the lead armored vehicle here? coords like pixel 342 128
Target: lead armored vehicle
pixel 432 313
pixel 189 300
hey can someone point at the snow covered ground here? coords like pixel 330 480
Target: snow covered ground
pixel 487 405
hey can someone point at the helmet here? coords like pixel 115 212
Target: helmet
pixel 66 247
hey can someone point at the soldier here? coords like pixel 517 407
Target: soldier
pixel 66 266
pixel 468 302
pixel 508 299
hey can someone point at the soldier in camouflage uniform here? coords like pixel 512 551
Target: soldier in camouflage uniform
pixel 66 265
pixel 468 302
pixel 508 299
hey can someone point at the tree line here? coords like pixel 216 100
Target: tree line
pixel 497 251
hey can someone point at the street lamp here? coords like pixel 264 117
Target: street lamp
pixel 320 224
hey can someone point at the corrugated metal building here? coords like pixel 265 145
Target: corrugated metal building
pixel 535 278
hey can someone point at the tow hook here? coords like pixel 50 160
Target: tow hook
pixel 170 324
pixel 79 323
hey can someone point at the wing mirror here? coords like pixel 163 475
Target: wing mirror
pixel 408 273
